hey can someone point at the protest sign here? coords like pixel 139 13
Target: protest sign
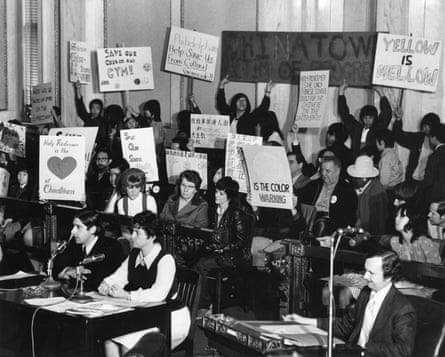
pixel 235 166
pixel 269 176
pixel 80 62
pixel 313 99
pixel 13 139
pixel 260 56
pixel 407 62
pixel 62 168
pixel 192 54
pixel 42 102
pixel 178 161
pixel 138 147
pixel 4 182
pixel 209 131
pixel 89 133
pixel 125 68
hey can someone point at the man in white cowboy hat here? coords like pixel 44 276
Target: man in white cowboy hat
pixel 372 211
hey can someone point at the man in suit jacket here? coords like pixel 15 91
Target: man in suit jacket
pixel 87 241
pixel 383 321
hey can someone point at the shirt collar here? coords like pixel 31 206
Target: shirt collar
pixel 89 247
pixel 148 259
pixel 379 296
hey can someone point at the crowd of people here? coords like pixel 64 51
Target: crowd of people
pixel 360 184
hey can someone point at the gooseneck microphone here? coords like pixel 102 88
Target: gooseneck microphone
pixel 93 259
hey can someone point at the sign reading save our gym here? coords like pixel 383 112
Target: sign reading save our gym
pixel 125 68
pixel 252 56
pixel 62 168
pixel 407 62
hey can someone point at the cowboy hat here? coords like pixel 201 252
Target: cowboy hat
pixel 363 167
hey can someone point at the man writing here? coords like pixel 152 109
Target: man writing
pixel 383 320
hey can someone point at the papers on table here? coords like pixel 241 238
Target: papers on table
pixel 19 275
pixel 45 301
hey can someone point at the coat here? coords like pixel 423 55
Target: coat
pixel 194 213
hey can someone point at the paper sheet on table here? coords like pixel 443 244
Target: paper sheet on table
pixel 19 275
pixel 45 301
pixel 121 302
pixel 300 335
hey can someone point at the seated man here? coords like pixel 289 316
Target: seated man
pixel 87 241
pixel 383 321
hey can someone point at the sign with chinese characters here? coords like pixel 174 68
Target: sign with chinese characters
pixel 192 54
pixel 235 166
pixel 125 68
pixel 13 139
pixel 42 102
pixel 209 131
pixel 270 180
pixel 313 99
pixel 138 147
pixel 179 161
pixel 62 168
pixel 407 62
pixel 80 62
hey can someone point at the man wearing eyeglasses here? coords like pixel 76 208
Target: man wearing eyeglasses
pixel 98 182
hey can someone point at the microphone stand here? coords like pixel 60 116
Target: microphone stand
pixel 50 283
pixel 80 296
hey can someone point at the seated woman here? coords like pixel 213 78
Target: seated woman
pixel 230 217
pixel 186 206
pixel 87 240
pixel 135 199
pixel 147 275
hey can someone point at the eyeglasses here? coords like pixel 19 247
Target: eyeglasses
pixel 102 159
pixel 133 186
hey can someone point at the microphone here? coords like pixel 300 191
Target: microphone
pixel 358 239
pixel 92 259
pixel 350 230
pixel 61 247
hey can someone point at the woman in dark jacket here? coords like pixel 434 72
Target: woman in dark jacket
pixel 229 217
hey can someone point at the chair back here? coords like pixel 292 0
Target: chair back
pixel 189 289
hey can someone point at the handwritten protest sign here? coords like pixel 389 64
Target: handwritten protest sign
pixel 407 62
pixel 179 161
pixel 13 139
pixel 62 168
pixel 42 102
pixel 269 176
pixel 235 166
pixel 4 182
pixel 80 62
pixel 209 131
pixel 89 133
pixel 138 147
pixel 192 54
pixel 313 99
pixel 125 68
pixel 253 56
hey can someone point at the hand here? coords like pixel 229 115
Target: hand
pixel 77 88
pixel 224 81
pixel 324 241
pixel 300 319
pixel 398 113
pixel 103 288
pixel 269 87
pixel 118 292
pixel 342 88
pixel 192 101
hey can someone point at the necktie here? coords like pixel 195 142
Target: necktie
pixel 368 322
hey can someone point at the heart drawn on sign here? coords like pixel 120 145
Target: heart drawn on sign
pixel 61 168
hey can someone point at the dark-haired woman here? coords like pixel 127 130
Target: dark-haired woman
pixel 147 275
pixel 87 240
pixel 186 206
pixel 231 217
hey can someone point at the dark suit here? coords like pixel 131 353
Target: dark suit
pixel 73 255
pixel 394 329
pixel 434 180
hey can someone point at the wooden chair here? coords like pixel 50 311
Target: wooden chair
pixel 189 292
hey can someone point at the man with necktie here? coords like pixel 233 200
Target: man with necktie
pixel 383 320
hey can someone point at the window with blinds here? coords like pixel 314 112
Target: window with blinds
pixel 30 47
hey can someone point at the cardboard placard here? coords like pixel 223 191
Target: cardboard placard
pixel 62 168
pixel 125 68
pixel 209 131
pixel 407 62
pixel 178 161
pixel 269 176
pixel 13 139
pixel 192 54
pixel 313 99
pixel 138 147
pixel 80 62
pixel 42 102
pixel 4 182
pixel 252 56
pixel 235 166
pixel 89 133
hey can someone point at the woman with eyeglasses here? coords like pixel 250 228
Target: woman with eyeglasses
pixel 186 206
pixel 135 199
pixel 147 275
